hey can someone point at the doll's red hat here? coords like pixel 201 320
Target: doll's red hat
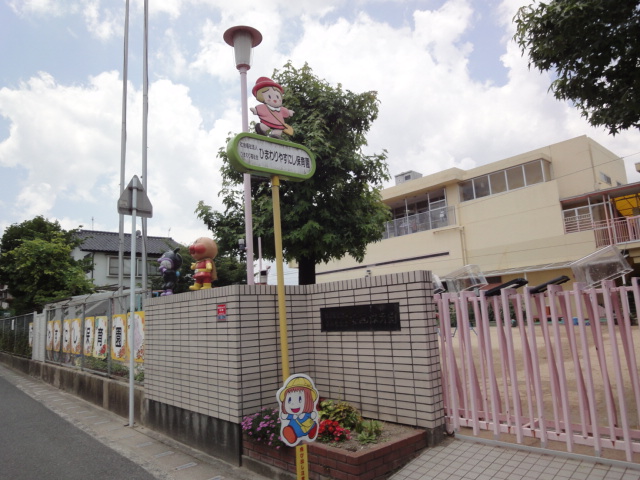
pixel 265 82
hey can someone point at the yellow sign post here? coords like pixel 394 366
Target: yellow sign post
pixel 276 158
pixel 302 460
pixel 282 307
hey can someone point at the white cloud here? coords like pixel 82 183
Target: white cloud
pixel 39 7
pixel 102 23
pixel 36 199
pixel 433 113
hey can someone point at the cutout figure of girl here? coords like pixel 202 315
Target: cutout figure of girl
pixel 298 400
pixel 271 113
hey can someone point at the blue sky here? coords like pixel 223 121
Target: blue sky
pixel 454 91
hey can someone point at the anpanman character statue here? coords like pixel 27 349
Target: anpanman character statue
pixel 203 250
pixel 170 264
pixel 271 113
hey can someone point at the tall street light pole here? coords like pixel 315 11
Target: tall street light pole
pixel 243 39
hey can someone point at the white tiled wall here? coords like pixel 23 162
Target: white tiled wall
pixel 227 369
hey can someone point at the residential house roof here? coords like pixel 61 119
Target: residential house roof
pixel 109 242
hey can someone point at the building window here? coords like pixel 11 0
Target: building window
pixel 501 181
pixel 605 178
pixel 152 267
pixel 498 182
pixel 533 173
pixel 481 186
pixel 583 218
pixel 466 191
pixel 515 177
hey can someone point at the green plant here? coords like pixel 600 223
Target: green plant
pixel 342 412
pixel 369 431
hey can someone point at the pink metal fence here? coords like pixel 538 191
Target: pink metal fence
pixel 557 366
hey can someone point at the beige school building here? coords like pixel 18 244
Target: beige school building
pixel 528 216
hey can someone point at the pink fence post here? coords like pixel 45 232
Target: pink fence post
pixel 465 337
pixel 596 330
pixel 586 358
pixel 535 366
pixel 608 292
pixel 623 314
pixel 554 290
pixel 493 384
pixel 517 407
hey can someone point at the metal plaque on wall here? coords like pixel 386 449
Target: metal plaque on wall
pixel 381 317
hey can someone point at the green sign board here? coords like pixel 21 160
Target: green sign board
pixel 266 156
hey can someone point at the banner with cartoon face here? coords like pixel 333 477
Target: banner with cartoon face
pixel 298 402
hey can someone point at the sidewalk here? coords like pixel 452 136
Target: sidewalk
pixel 470 458
pixel 162 457
pixel 460 458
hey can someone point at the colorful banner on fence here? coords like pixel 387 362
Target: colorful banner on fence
pixel 100 331
pixel 76 336
pixel 138 338
pixel 88 336
pixel 49 345
pixel 66 335
pixel 119 337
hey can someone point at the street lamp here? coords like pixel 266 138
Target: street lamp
pixel 243 39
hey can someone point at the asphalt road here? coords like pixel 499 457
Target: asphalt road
pixel 35 443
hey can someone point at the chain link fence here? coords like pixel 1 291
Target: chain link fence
pixel 16 335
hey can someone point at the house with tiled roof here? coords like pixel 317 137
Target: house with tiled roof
pixel 103 249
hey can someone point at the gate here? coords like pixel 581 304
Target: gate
pixel 555 365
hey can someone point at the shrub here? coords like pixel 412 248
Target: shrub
pixel 263 427
pixel 341 412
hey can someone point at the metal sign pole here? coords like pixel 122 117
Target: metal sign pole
pixel 133 201
pixel 132 300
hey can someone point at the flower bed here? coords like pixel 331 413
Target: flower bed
pixel 327 462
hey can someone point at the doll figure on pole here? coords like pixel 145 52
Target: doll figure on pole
pixel 298 400
pixel 271 113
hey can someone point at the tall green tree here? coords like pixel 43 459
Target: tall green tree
pixel 37 266
pixel 593 46
pixel 339 210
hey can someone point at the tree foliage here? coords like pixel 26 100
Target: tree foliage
pixel 594 48
pixel 36 264
pixel 339 210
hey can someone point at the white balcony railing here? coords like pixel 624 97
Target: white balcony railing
pixel 420 222
pixel 607 232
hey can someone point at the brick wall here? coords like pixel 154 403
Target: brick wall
pixel 228 369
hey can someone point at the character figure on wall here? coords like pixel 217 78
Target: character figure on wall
pixel 271 113
pixel 203 251
pixel 170 264
pixel 298 400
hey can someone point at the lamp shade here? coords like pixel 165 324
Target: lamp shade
pixel 242 39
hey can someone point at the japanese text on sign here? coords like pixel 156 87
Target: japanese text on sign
pixel 278 156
